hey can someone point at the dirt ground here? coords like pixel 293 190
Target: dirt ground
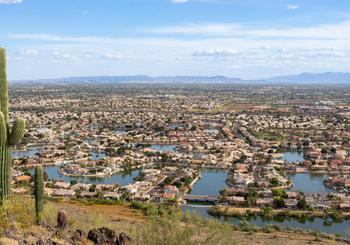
pixel 120 214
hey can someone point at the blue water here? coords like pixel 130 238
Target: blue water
pixel 211 183
pixel 98 155
pixel 121 179
pixel 305 182
pixel 16 154
pixel 293 156
pixel 316 224
pixel 120 132
pixel 308 183
pixel 211 131
pixel 214 180
pixel 164 148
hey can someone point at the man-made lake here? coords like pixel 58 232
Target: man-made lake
pixel 293 156
pixel 211 183
pixel 121 179
pixel 164 148
pixel 308 183
pixel 305 182
pixel 98 155
pixel 16 154
pixel 211 131
pixel 120 132
pixel 316 224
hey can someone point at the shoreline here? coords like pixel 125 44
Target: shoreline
pixel 89 175
pixel 238 211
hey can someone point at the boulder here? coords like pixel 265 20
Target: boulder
pixel 78 237
pixel 124 239
pixel 103 235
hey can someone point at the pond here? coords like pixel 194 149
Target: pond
pixel 293 156
pixel 98 155
pixel 316 224
pixel 119 132
pixel 121 178
pixel 212 131
pixel 164 148
pixel 211 183
pixel 16 154
pixel 308 183
pixel 305 182
pixel 214 180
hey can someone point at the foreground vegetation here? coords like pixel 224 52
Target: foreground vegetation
pixel 269 213
pixel 144 223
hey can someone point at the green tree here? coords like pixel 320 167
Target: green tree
pixel 267 211
pixel 302 204
pixel 278 202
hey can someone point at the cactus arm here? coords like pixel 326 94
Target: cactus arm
pixel 17 131
pixel 3 129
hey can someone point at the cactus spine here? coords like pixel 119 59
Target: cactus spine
pixel 39 192
pixel 7 138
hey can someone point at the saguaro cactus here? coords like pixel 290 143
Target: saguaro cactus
pixel 8 137
pixel 39 192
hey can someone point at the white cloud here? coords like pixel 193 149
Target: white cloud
pixel 179 1
pixel 67 39
pixel 202 29
pixel 29 51
pixel 326 31
pixel 293 6
pixel 10 1
pixel 244 51
pixel 58 56
pixel 85 12
pixel 215 53
pixel 110 56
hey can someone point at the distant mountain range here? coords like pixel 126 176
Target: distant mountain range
pixel 303 78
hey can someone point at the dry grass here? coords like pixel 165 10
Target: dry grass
pixel 172 229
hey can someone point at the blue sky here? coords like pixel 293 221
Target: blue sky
pixel 249 39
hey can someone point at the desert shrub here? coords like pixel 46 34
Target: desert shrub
pixel 170 229
pixel 17 213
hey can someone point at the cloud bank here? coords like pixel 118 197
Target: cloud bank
pixel 10 1
pixel 178 1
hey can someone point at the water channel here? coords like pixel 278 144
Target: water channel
pixel 212 182
pixel 121 178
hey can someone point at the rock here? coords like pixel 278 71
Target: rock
pixel 124 239
pixel 30 240
pixel 78 237
pixel 57 241
pixel 45 241
pixel 41 242
pixel 62 219
pixel 103 235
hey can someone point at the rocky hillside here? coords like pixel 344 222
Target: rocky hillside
pixel 79 224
